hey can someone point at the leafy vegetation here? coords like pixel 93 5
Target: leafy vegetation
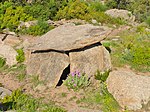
pixel 102 76
pixel 15 12
pixel 20 102
pixel 139 8
pixel 2 62
pixel 101 96
pixel 12 15
pixel 20 57
pixel 132 48
pixel 39 29
pixel 76 81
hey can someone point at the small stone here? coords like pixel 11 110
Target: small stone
pixel 4 92
pixel 8 53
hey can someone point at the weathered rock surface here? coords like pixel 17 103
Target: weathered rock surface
pixel 49 66
pixel 9 54
pixel 129 89
pixel 4 92
pixel 123 14
pixel 90 60
pixel 12 40
pixel 68 37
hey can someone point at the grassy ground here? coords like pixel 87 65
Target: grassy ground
pixel 131 48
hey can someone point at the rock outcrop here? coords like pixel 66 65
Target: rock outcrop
pixel 123 14
pixel 9 54
pixel 68 48
pixel 130 90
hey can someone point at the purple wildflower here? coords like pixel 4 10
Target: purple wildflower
pixel 75 85
pixel 73 74
pixel 79 74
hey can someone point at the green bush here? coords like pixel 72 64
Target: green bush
pixel 39 29
pixel 97 6
pixel 22 102
pixel 20 57
pixel 11 16
pixel 148 20
pixel 133 49
pixel 76 81
pixel 74 9
pixel 2 62
pixel 102 76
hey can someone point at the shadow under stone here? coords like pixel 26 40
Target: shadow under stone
pixel 64 75
pixel 6 106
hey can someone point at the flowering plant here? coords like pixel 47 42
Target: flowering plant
pixel 76 80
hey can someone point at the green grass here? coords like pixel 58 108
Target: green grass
pixel 132 49
pixel 19 71
pixel 2 62
pixel 22 102
pixel 102 99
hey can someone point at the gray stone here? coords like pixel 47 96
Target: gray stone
pixel 49 66
pixel 130 90
pixel 9 54
pixel 68 37
pixel 123 14
pixel 90 60
pixel 4 92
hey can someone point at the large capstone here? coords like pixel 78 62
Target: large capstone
pixel 68 37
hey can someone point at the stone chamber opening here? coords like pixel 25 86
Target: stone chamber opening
pixel 64 75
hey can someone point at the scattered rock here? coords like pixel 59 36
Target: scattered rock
pixel 4 92
pixel 27 24
pixel 90 60
pixel 9 54
pixel 68 37
pixel 123 14
pixel 49 66
pixel 12 40
pixel 130 90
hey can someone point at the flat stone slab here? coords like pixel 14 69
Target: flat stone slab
pixel 130 90
pixel 48 66
pixel 69 37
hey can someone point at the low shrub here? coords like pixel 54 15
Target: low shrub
pixel 74 9
pixel 11 16
pixel 133 49
pixel 22 102
pixel 76 81
pixel 21 56
pixel 41 28
pixel 2 62
pixel 148 20
pixel 102 76
pixel 97 6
